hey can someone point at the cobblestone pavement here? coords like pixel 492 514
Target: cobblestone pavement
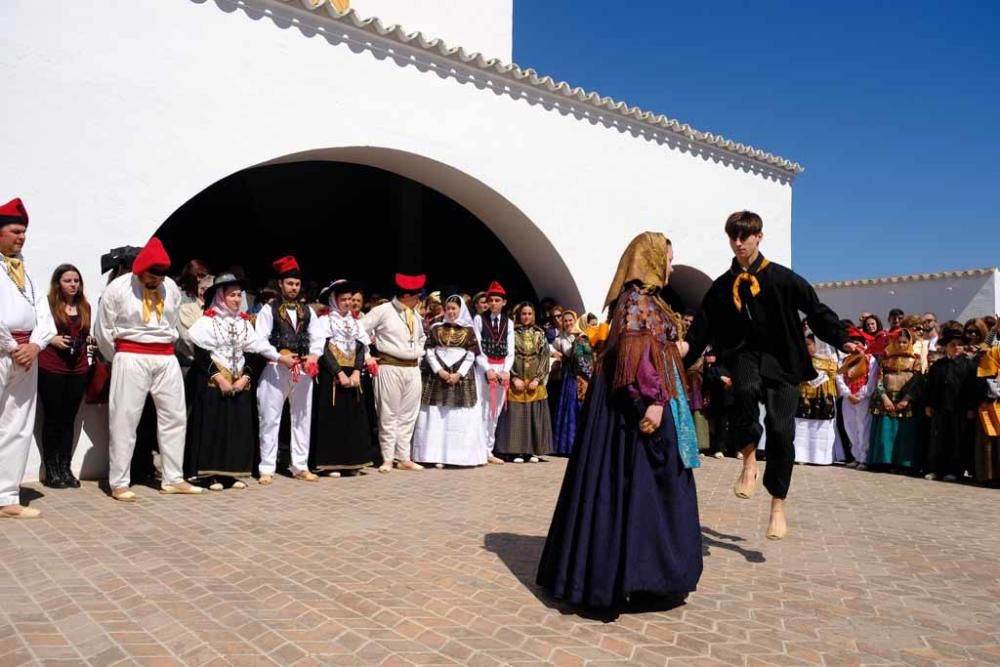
pixel 437 567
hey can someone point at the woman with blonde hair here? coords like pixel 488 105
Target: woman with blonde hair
pixel 626 528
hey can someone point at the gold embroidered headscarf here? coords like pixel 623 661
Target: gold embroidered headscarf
pixel 644 260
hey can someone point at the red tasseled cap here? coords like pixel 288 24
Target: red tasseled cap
pixel 13 213
pixel 496 289
pixel 410 283
pixel 153 257
pixel 854 333
pixel 287 267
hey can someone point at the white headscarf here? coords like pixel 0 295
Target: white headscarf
pixel 344 330
pixel 464 318
pixel 219 303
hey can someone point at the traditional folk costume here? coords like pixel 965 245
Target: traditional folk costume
pixel 341 433
pixel 496 342
pixel 525 427
pixel 815 419
pixel 699 404
pixel 220 434
pixel 399 337
pixel 25 318
pixel 857 377
pixel 626 523
pixel 289 326
pixel 951 392
pixel 751 318
pixel 136 330
pixel 576 365
pixel 897 378
pixel 986 458
pixel 450 426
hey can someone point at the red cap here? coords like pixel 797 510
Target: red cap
pixel 410 283
pixel 287 267
pixel 496 289
pixel 13 213
pixel 151 258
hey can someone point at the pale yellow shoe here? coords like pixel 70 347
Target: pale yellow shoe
pixel 409 465
pixel 495 460
pixel 124 495
pixel 777 528
pixel 265 480
pixel 385 467
pixel 306 476
pixel 215 486
pixel 746 490
pixel 19 512
pixel 239 485
pixel 181 488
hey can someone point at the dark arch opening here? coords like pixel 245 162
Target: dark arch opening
pixel 687 288
pixel 341 220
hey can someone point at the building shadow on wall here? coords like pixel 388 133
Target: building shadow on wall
pixel 521 554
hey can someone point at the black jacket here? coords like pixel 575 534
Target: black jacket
pixel 768 324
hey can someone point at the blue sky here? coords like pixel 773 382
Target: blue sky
pixel 892 108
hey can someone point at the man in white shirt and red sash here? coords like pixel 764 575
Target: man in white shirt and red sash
pixel 26 327
pixel 496 341
pixel 293 329
pixel 399 339
pixel 136 330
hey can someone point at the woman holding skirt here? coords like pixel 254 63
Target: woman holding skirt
pixel 221 440
pixel 341 433
pixel 450 425
pixel 626 523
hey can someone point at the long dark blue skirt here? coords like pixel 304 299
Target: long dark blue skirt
pixel 565 418
pixel 627 517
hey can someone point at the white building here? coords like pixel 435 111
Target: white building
pixel 239 130
pixel 951 295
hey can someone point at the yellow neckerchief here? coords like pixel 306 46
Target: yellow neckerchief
pixel 748 275
pixel 15 269
pixel 152 302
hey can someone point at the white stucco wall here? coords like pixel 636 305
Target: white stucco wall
pixel 950 298
pixel 124 110
pixel 486 26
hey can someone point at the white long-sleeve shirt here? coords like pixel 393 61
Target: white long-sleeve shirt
pixel 483 361
pixel 24 311
pixel 388 324
pixel 869 386
pixel 228 339
pixel 450 356
pixel 265 323
pixel 120 314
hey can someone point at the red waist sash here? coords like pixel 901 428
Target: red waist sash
pixel 497 361
pixel 161 349
pixel 21 337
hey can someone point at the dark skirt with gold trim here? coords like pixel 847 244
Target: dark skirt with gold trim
pixel 459 395
pixel 221 431
pixel 525 425
pixel 341 437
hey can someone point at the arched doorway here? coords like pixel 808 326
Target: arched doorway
pixel 361 213
pixel 687 287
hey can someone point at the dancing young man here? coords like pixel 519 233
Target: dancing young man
pixel 26 327
pixel 496 342
pixel 291 327
pixel 136 330
pixel 750 317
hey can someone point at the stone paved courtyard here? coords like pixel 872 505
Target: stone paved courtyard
pixel 437 568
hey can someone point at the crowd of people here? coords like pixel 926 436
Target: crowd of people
pixel 203 368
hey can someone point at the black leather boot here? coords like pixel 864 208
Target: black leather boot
pixel 65 460
pixel 53 473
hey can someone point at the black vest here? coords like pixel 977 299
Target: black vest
pixel 494 345
pixel 286 337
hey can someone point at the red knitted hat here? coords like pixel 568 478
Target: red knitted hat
pixel 13 213
pixel 153 257
pixel 287 267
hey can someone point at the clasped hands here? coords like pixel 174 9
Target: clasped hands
pixel 352 380
pixel 24 355
pixel 450 378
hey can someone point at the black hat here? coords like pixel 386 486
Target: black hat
pixel 119 257
pixel 221 280
pixel 951 331
pixel 338 287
